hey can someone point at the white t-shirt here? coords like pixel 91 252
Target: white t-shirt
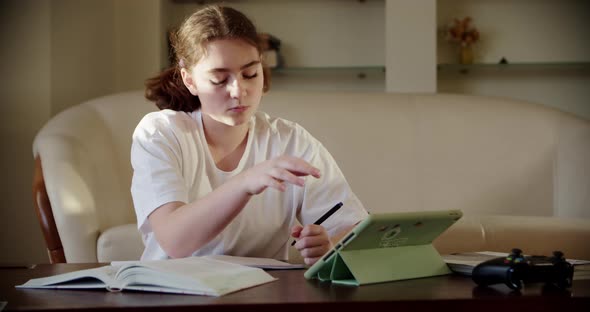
pixel 171 162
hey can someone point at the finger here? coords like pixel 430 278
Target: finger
pixel 282 174
pixel 274 183
pixel 312 236
pixel 314 252
pixel 296 230
pixel 313 230
pixel 304 242
pixel 298 166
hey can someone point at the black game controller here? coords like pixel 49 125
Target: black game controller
pixel 516 269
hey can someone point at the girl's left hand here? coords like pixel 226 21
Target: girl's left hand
pixel 312 242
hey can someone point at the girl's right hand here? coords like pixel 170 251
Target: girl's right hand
pixel 275 173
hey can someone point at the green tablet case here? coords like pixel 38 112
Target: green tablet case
pixel 387 247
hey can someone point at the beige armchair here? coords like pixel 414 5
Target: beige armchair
pixel 82 180
pixel 518 171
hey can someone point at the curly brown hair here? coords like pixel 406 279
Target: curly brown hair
pixel 213 22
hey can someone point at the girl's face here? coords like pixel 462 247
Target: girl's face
pixel 228 81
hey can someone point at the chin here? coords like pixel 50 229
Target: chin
pixel 237 120
pixel 233 119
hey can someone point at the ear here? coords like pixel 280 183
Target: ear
pixel 188 81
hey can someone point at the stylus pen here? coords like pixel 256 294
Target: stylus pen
pixel 325 216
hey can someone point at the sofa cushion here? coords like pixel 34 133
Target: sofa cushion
pixel 119 243
pixel 501 233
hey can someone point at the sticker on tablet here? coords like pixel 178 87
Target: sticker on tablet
pixel 390 239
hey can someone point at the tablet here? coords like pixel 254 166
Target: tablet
pixel 383 241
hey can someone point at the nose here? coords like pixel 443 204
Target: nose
pixel 236 89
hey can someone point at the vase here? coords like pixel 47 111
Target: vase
pixel 466 54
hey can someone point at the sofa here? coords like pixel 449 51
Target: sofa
pixel 519 171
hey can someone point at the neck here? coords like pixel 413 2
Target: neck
pixel 226 143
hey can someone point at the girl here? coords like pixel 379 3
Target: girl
pixel 212 175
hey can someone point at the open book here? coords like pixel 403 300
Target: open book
pixel 192 275
pixel 464 263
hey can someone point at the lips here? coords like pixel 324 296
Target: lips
pixel 239 109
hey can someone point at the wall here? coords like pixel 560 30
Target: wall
pixel 523 31
pixel 25 93
pixel 56 54
pixel 82 51
pixel 100 47
pixel 138 43
pixel 410 36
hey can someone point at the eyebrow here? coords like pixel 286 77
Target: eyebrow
pixel 217 70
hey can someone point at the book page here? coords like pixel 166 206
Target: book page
pixel 195 275
pixel 263 263
pixel 84 279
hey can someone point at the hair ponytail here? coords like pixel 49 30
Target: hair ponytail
pixel 169 92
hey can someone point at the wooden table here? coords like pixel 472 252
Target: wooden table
pixel 291 292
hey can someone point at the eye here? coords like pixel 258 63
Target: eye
pixel 218 83
pixel 250 76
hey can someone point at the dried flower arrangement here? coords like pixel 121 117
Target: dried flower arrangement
pixel 463 32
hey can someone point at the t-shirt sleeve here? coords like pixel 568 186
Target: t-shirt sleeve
pixel 320 195
pixel 157 174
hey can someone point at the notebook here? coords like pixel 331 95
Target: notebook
pixel 387 247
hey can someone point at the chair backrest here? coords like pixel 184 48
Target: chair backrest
pixel 84 158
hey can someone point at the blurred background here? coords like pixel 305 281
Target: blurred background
pixel 59 53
